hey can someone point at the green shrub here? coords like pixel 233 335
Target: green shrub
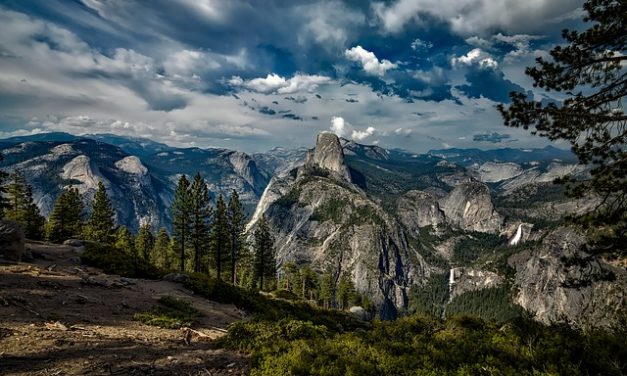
pixel 171 313
pixel 114 261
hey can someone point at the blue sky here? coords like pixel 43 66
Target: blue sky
pixel 250 75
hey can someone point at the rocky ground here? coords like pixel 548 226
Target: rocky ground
pixel 58 317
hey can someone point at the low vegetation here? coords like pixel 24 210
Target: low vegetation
pixel 420 345
pixel 171 313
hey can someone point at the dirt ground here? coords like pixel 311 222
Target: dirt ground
pixel 58 317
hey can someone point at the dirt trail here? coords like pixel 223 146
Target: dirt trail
pixel 58 317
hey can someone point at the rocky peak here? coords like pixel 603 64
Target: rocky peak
pixel 328 155
pixel 469 207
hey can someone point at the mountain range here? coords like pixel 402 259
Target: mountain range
pixel 436 232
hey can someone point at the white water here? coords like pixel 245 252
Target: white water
pixel 516 239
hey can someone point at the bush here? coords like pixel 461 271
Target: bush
pixel 114 261
pixel 171 314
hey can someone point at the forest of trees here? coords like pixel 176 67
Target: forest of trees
pixel 206 238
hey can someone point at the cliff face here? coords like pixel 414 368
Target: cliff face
pixel 328 155
pixel 320 218
pixel 469 207
pixel 418 209
pixel 560 282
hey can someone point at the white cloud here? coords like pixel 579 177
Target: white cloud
pixel 469 17
pixel 419 44
pixel 273 83
pixel 329 24
pixel 475 57
pixel 344 129
pixel 369 61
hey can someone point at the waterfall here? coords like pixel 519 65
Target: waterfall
pixel 516 239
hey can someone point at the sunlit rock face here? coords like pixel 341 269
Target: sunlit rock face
pixel 328 155
pixel 559 281
pixel 318 217
pixel 417 209
pixel 469 207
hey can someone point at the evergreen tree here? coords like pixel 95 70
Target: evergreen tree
pixel 327 286
pixel 124 241
pixel 308 283
pixel 236 220
pixel 200 219
pixel 245 268
pixel 101 226
pixel 265 261
pixel 162 251
pixel 144 243
pixel 3 202
pixel 592 71
pixel 181 224
pixel 65 220
pixel 291 278
pixel 21 207
pixel 220 239
pixel 345 291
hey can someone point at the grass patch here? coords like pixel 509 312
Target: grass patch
pixel 171 313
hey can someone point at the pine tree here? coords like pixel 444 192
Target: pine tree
pixel 201 213
pixel 236 220
pixel 291 278
pixel 345 291
pixel 124 241
pixel 308 283
pixel 65 220
pixel 144 243
pixel 21 207
pixel 162 251
pixel 265 260
pixel 101 226
pixel 591 70
pixel 220 239
pixel 181 224
pixel 3 202
pixel 34 227
pixel 327 286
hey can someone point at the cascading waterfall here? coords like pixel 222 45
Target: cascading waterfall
pixel 516 239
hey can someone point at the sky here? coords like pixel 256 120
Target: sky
pixel 251 75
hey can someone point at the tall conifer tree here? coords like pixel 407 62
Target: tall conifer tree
pixel 162 251
pixel 236 219
pixel 101 225
pixel 144 243
pixel 200 222
pixel 220 238
pixel 21 207
pixel 181 224
pixel 265 260
pixel 65 221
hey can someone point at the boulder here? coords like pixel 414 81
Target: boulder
pixel 358 312
pixel 11 240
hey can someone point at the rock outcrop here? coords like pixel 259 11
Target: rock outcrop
pixel 464 280
pixel 323 220
pixel 418 209
pixel 328 155
pixel 561 282
pixel 11 241
pixel 469 207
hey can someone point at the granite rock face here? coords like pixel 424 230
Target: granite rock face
pixel 561 282
pixel 11 241
pixel 469 207
pixel 328 155
pixel 319 218
pixel 418 209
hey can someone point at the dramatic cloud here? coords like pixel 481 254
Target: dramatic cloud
pixel 473 16
pixel 343 129
pixel 369 62
pixel 273 83
pixel 475 56
pixel 412 74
